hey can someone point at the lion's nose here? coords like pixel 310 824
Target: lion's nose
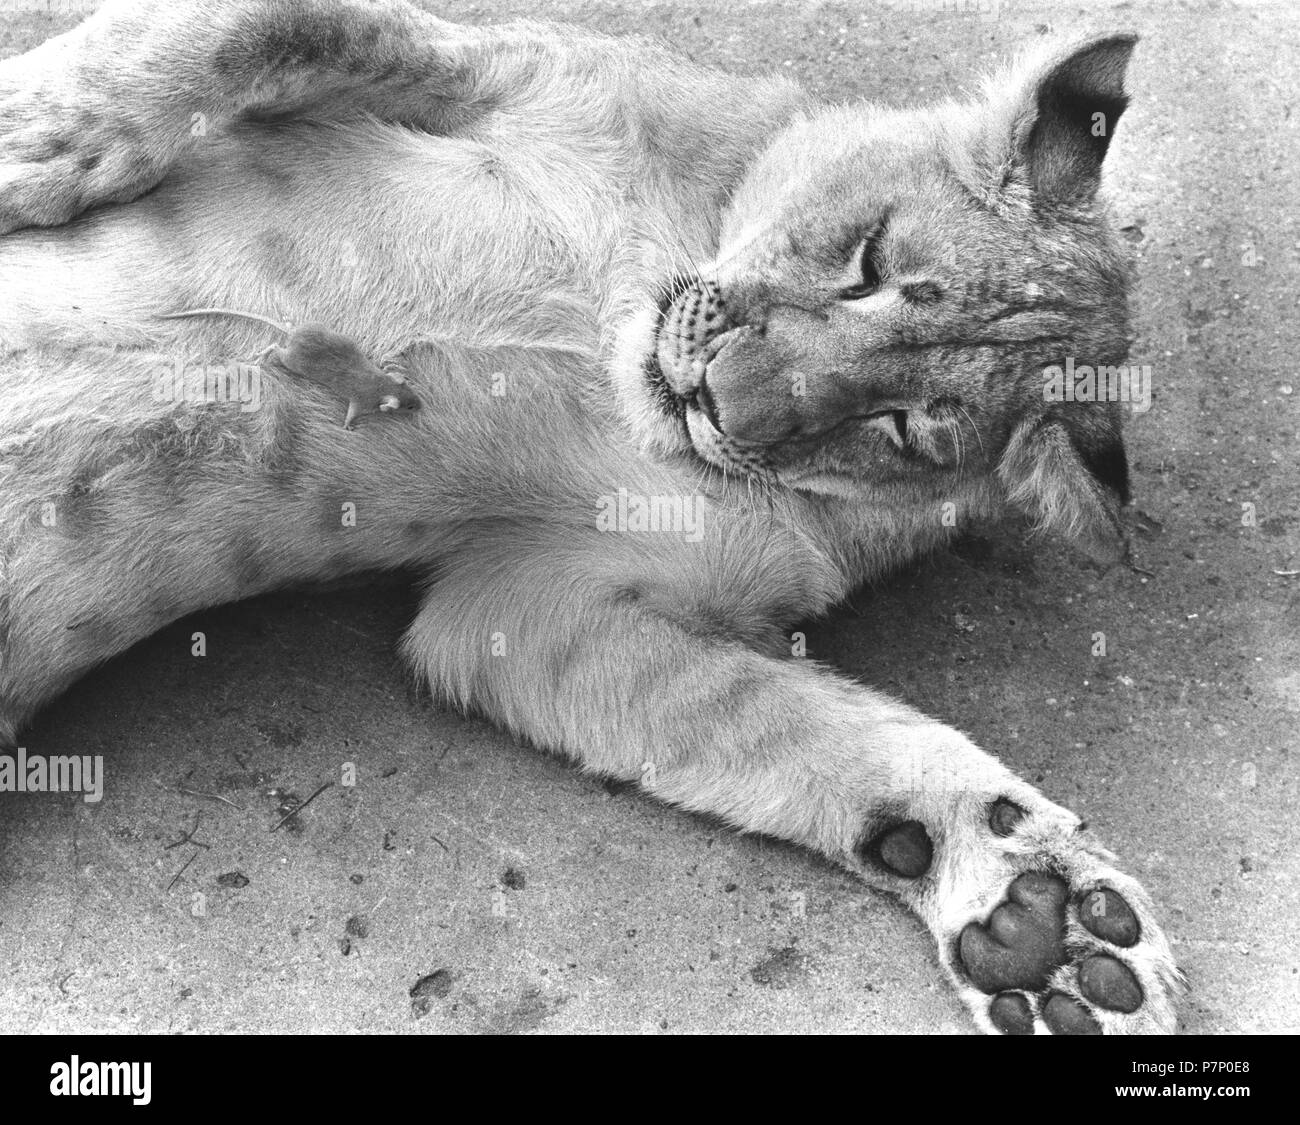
pixel 689 324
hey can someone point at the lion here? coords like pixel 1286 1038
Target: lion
pixel 695 356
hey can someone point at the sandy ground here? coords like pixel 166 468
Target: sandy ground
pixel 515 895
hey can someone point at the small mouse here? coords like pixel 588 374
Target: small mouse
pixel 330 359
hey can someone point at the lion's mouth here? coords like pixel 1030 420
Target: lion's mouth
pixel 667 400
pixel 894 425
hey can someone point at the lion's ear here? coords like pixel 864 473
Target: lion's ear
pixel 1052 117
pixel 1071 477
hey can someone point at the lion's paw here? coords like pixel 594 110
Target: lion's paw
pixel 61 153
pixel 1037 929
pixel 1062 943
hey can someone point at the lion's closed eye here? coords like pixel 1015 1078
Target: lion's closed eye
pixel 867 266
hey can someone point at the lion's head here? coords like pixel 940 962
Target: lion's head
pixel 890 288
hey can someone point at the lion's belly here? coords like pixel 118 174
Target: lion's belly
pixel 381 232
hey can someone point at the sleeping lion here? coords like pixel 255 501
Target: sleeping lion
pixel 695 356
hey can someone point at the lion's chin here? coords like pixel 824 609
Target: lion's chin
pixel 818 483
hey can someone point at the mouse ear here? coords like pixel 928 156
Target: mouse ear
pixel 1069 472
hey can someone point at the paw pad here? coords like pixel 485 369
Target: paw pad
pixel 1004 816
pixel 1011 1014
pixel 1106 915
pixel 1109 984
pixel 1068 1017
pixel 1023 940
pixel 905 849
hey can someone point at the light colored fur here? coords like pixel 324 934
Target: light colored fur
pixel 512 254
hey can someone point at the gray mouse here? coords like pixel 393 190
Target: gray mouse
pixel 330 359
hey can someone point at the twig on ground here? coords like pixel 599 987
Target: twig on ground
pixel 188 837
pixel 176 877
pixel 294 812
pixel 197 793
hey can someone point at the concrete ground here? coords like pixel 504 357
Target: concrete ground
pixel 513 894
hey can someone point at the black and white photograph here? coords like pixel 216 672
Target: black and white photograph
pixel 591 517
